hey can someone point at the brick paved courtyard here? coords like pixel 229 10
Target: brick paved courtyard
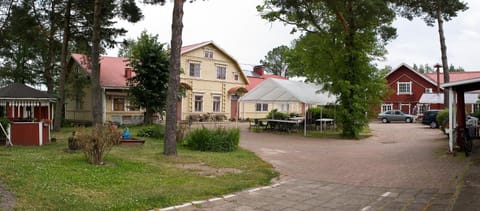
pixel 402 166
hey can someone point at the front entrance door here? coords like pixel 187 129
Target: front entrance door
pixel 234 107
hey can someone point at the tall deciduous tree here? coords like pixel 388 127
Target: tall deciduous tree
pixel 148 87
pixel 434 11
pixel 341 40
pixel 275 61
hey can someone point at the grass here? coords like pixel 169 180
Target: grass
pixel 133 178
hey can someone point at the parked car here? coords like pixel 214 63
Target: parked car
pixel 430 118
pixel 395 115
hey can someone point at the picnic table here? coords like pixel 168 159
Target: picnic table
pixel 283 125
pixel 323 123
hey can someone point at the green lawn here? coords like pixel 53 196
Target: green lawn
pixel 139 177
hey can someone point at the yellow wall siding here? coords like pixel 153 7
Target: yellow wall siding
pixel 207 84
pixel 248 110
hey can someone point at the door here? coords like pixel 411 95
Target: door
pixel 234 107
pixel 405 108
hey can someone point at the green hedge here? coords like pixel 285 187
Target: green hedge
pixel 275 114
pixel 213 140
pixel 155 131
pixel 442 118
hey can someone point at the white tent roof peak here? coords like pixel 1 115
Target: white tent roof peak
pixel 276 90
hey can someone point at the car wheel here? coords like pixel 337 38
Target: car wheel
pixel 433 124
pixel 408 120
pixel 384 120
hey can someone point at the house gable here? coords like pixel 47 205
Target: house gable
pixel 211 55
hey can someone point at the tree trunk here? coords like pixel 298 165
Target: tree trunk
pixel 95 77
pixel 147 118
pixel 50 66
pixel 170 146
pixel 443 48
pixel 63 74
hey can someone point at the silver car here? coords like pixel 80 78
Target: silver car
pixel 395 115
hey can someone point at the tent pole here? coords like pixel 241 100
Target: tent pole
pixel 305 120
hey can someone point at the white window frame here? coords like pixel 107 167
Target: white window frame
pixel 408 88
pixel 261 107
pixel 475 107
pixel 428 90
pixel 386 107
pixel 221 71
pixel 236 76
pixel 195 103
pixel 219 101
pixel 208 53
pixel 194 70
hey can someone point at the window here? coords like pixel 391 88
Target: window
pixel 221 72
pixel 216 103
pixel 236 77
pixel 195 69
pixel 198 103
pixel 475 108
pixel 78 102
pixel 261 107
pixel 428 90
pixel 284 108
pixel 404 88
pixel 208 53
pixel 118 104
pixel 387 107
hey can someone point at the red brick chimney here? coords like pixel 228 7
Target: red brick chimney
pixel 128 72
pixel 259 70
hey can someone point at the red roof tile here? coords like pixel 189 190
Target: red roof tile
pixel 455 76
pixel 112 70
pixel 255 81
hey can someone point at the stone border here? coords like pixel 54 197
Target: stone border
pixel 224 197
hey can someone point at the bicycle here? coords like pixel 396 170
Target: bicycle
pixel 466 137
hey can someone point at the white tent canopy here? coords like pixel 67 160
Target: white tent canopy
pixel 437 98
pixel 277 90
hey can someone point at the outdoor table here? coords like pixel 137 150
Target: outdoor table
pixel 282 125
pixel 325 121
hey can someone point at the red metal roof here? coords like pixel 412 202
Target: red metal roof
pixel 455 76
pixel 112 70
pixel 187 48
pixel 255 81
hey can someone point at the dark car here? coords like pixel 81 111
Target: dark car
pixel 395 115
pixel 430 118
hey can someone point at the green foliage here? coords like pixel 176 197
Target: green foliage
pixel 342 40
pixel 150 61
pixel 442 118
pixel 427 9
pixel 217 140
pixel 130 180
pixel 5 123
pixel 275 61
pixel 274 114
pixel 323 111
pixel 155 131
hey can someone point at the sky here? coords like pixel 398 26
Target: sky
pixel 237 28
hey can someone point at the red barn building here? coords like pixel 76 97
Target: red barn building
pixel 408 86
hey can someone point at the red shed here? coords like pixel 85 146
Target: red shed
pixel 30 112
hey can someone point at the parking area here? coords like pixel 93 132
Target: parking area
pixel 402 166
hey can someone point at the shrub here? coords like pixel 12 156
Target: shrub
pixel 274 114
pixel 442 118
pixel 156 131
pixel 5 123
pixel 97 144
pixel 216 140
pixel 73 143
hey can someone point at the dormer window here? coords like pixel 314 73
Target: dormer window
pixel 208 53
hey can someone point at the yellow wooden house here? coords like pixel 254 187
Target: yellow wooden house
pixel 212 80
